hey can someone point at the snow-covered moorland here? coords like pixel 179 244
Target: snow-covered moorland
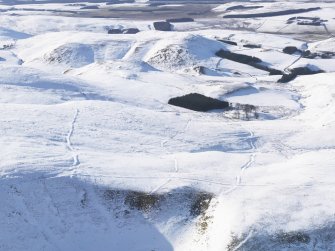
pixel 95 155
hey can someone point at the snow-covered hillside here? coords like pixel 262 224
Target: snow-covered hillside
pixel 95 156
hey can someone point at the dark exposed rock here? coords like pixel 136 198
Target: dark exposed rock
pixel 252 46
pixel 272 13
pixel 307 70
pixel 198 102
pixel 291 50
pixel 180 20
pixel 227 42
pixel 162 26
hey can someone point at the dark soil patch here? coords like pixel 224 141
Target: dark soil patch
pixel 198 102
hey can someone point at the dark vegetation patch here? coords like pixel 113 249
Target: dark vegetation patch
pixel 201 70
pixel 201 203
pixel 234 242
pixel 142 201
pixel 134 200
pixel 241 58
pixel 264 242
pixel 162 26
pixel 292 50
pixel 319 54
pixel 123 31
pixel 272 13
pixel 84 199
pixel 198 69
pixel 249 60
pixel 293 237
pixel 308 54
pixel 198 102
pixel 186 202
pixel 131 31
pixel 245 111
pixel 114 31
pixel 199 207
pixel 7 46
pixel 313 21
pixel 180 20
pixel 227 42
pixel 295 72
pixel 252 46
pixel 242 7
pixel 201 103
pixel 92 7
pixel 75 4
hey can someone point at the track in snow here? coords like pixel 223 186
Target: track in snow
pixel 69 145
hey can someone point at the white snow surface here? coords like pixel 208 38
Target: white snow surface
pixel 94 158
